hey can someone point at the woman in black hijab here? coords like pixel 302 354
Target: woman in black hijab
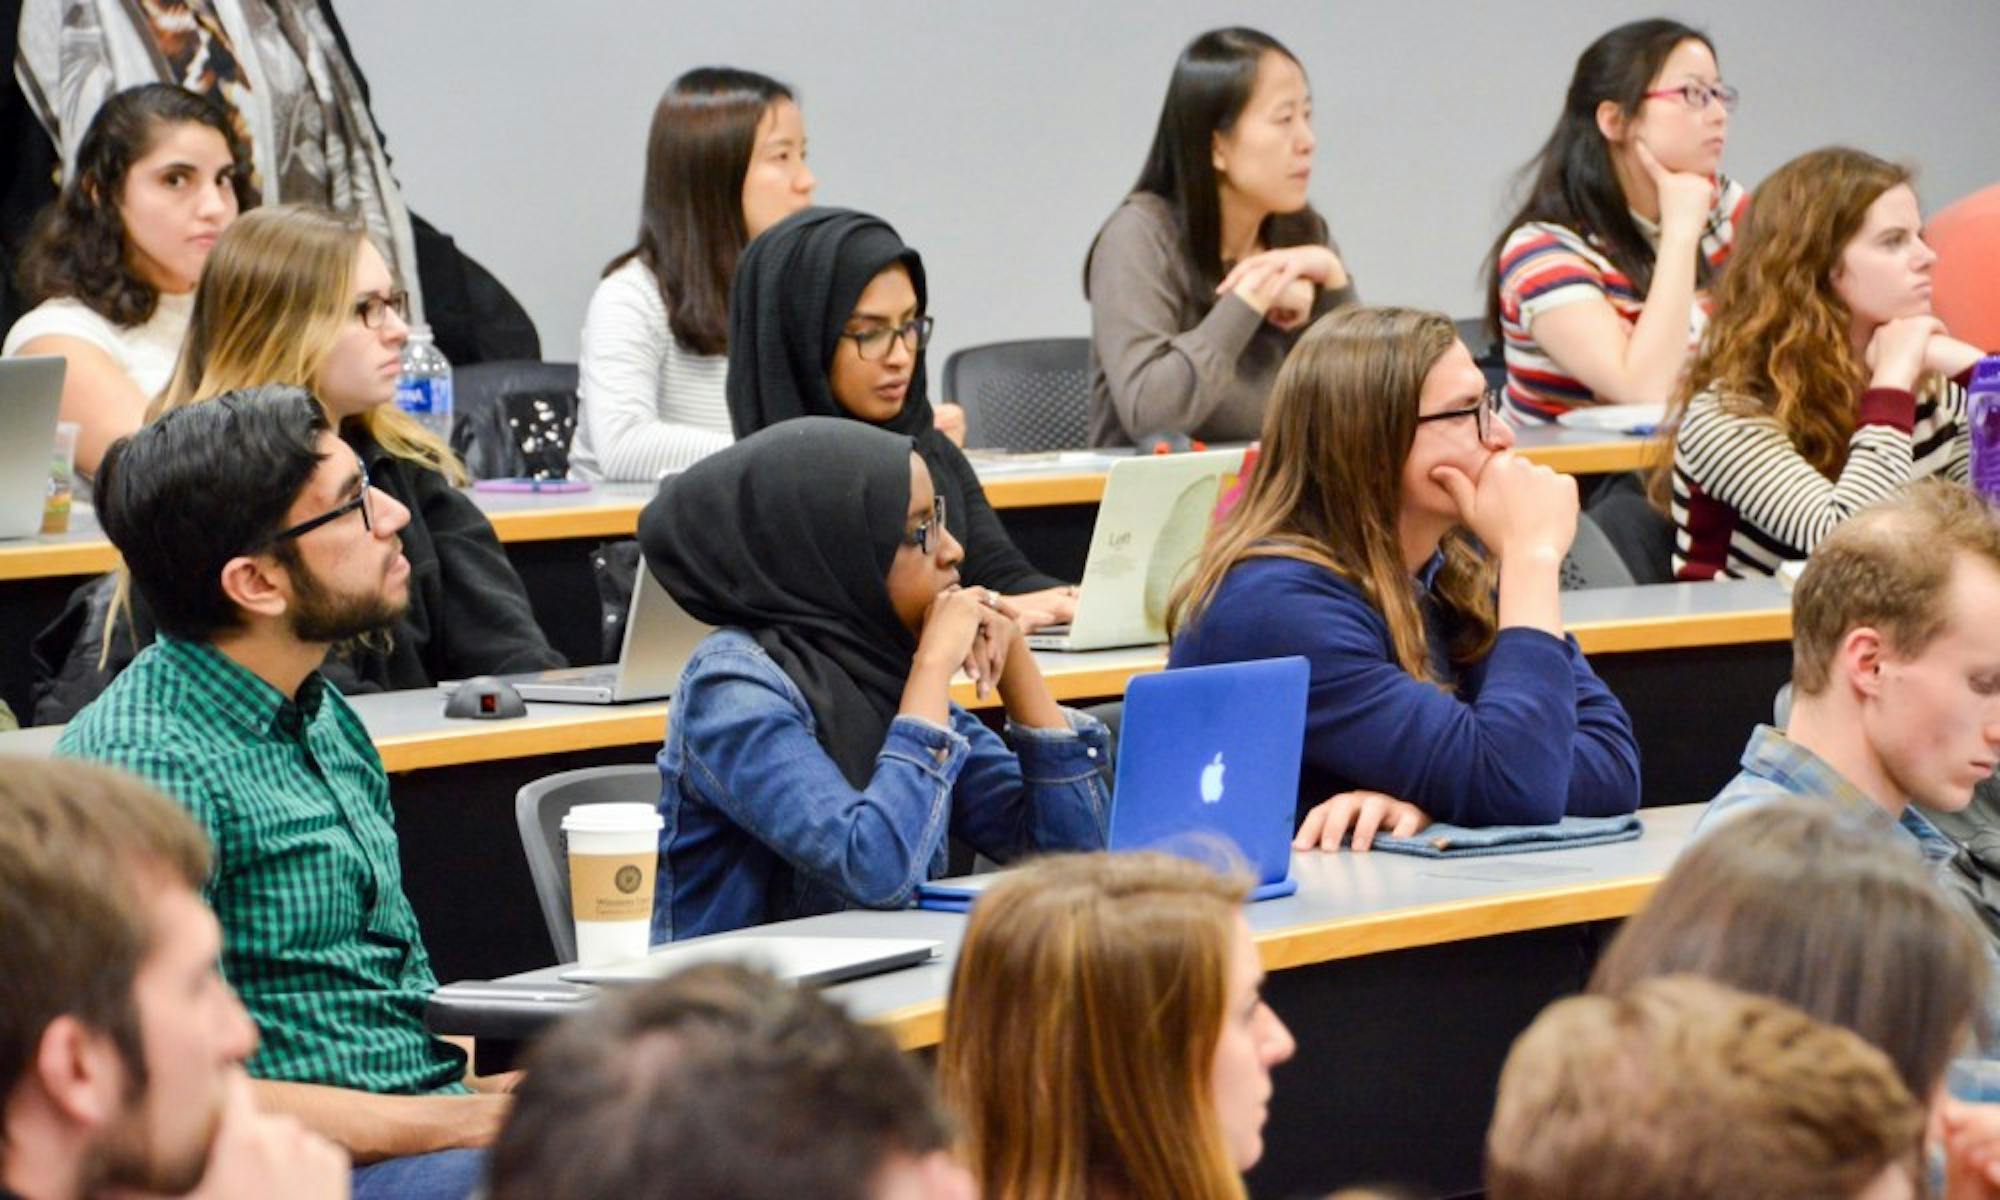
pixel 814 759
pixel 827 318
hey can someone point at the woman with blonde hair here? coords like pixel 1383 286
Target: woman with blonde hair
pixel 1105 1035
pixel 1385 506
pixel 1826 382
pixel 298 295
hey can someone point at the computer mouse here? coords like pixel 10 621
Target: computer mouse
pixel 484 698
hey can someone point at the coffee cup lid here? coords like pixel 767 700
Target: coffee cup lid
pixel 611 818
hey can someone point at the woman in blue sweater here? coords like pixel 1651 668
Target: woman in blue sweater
pixel 1443 687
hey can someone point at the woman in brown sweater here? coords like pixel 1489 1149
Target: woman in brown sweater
pixel 1201 280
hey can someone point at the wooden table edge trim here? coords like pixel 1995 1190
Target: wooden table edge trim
pixel 560 524
pixel 917 1026
pixel 1681 631
pixel 1607 458
pixel 589 729
pixel 44 560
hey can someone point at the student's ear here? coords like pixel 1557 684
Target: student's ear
pixel 1216 157
pixel 80 1071
pixel 1611 122
pixel 256 584
pixel 1861 653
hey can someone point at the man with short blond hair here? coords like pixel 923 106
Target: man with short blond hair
pixel 121 1048
pixel 1683 1088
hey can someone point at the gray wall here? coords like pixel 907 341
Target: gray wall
pixel 996 137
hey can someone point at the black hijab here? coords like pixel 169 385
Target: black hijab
pixel 795 286
pixel 789 534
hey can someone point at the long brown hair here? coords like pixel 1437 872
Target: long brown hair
pixel 1327 488
pixel 275 294
pixel 1779 345
pixel 1826 912
pixel 1081 1033
pixel 691 228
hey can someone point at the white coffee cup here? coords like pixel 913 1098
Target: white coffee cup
pixel 613 861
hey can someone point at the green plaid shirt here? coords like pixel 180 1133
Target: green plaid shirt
pixel 318 937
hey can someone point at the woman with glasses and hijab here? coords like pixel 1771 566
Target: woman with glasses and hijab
pixel 828 317
pixel 1598 284
pixel 1391 538
pixel 815 760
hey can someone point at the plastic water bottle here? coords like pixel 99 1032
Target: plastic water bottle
pixel 424 391
pixel 1983 414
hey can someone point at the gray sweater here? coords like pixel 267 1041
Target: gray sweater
pixel 1164 356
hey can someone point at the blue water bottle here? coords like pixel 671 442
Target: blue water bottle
pixel 1983 415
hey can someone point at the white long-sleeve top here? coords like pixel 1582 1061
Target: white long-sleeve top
pixel 646 405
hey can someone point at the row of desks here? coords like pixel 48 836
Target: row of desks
pixel 612 510
pixel 1369 963
pixel 412 733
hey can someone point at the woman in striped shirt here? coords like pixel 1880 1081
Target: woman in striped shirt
pixel 1826 383
pixel 1596 287
pixel 726 158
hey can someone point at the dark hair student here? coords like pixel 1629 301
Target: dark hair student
pixel 725 159
pixel 1219 210
pixel 1597 283
pixel 111 265
pixel 815 760
pixel 830 317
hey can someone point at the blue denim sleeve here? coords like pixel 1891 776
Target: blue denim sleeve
pixel 751 753
pixel 1036 789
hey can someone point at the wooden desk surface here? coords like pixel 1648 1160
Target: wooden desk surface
pixel 413 735
pixel 1348 905
pixel 612 510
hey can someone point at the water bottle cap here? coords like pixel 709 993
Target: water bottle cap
pixel 420 332
pixel 1986 372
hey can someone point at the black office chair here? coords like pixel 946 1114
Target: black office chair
pixel 1486 351
pixel 1025 396
pixel 514 419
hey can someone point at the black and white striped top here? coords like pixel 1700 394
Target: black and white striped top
pixel 1745 500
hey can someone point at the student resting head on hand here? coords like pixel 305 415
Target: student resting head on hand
pixel 1391 537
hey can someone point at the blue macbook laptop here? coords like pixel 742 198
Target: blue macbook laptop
pixel 1207 756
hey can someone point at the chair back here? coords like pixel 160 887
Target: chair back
pixel 1592 561
pixel 1023 396
pixel 514 419
pixel 538 811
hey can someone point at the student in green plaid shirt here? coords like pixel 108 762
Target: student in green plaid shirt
pixel 252 533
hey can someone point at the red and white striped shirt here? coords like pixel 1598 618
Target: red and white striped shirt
pixel 1544 266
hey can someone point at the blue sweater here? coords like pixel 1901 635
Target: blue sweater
pixel 1527 734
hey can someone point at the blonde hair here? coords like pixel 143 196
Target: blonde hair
pixel 1080 1037
pixel 1327 488
pixel 1684 1087
pixel 276 294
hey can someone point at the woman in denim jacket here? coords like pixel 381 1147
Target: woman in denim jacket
pixel 814 760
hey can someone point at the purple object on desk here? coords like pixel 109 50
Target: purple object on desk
pixel 530 485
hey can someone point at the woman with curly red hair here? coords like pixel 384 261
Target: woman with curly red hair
pixel 1826 382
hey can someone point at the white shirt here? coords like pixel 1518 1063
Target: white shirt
pixel 646 406
pixel 145 352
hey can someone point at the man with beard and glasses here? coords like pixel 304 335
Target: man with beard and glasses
pixel 251 532
pixel 121 1048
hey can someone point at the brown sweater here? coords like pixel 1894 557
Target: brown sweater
pixel 1164 356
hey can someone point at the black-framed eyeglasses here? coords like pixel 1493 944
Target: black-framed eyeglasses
pixel 1485 414
pixel 360 501
pixel 873 345
pixel 374 309
pixel 927 531
pixel 1697 95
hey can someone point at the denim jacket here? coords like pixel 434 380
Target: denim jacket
pixel 762 826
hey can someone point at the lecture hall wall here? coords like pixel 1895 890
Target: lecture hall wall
pixel 997 136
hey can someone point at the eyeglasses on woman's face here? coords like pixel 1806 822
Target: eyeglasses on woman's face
pixel 873 344
pixel 1485 415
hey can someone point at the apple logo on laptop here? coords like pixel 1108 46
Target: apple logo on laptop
pixel 1211 781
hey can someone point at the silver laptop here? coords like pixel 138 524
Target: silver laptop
pixel 1155 512
pixel 814 961
pixel 30 405
pixel 660 637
